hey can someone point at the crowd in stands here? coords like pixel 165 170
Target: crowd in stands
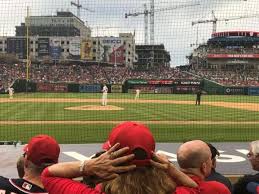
pixel 127 165
pixel 233 51
pixel 91 74
pixel 83 73
pixel 229 78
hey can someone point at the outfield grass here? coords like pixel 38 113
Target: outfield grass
pixel 86 133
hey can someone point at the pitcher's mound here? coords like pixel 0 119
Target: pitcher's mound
pixel 95 107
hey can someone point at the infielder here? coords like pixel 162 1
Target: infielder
pixel 10 91
pixel 104 97
pixel 137 94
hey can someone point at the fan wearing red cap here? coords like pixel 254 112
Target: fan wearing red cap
pixel 146 178
pixel 128 166
pixel 40 152
pixel 137 137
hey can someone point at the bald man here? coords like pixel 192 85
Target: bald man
pixel 194 159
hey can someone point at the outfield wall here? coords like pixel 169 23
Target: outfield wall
pixel 146 87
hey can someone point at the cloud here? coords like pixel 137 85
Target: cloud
pixel 172 28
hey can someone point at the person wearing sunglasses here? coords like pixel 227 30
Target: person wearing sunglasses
pixel 241 186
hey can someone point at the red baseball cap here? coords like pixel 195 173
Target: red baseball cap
pixel 133 135
pixel 42 149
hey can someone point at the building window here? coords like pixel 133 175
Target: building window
pixel 128 53
pixel 94 42
pixel 31 50
pixel 68 50
pixel 31 42
pixel 1 42
pixel 94 50
pixel 128 60
pixel 36 50
pixel 67 42
pixel 94 58
pixel 63 50
pixel 36 42
pixel 129 45
pixel 62 42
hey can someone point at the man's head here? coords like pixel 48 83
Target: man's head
pixel 195 157
pixel 137 137
pixel 214 154
pixel 40 152
pixel 253 154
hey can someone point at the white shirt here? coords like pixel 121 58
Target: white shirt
pixel 105 89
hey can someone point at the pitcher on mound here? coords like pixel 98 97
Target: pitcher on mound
pixel 104 96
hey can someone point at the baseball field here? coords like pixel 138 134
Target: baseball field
pixel 79 118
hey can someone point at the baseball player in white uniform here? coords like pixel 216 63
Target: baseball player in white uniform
pixel 10 91
pixel 104 96
pixel 137 94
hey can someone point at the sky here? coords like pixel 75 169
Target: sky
pixel 173 27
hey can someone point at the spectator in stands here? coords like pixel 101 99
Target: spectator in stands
pixel 138 177
pixel 253 187
pixel 214 175
pixel 41 151
pixel 253 157
pixel 92 181
pixel 194 158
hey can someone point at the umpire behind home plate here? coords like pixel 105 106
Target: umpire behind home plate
pixel 42 151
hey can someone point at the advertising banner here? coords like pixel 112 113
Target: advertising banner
pixel 90 88
pixel 116 88
pixel 187 82
pixel 234 90
pixel 75 47
pixel 43 46
pixel 112 50
pixel 233 56
pixel 253 91
pixel 55 49
pixel 160 82
pixel 117 55
pixel 147 89
pixel 51 87
pixel 185 89
pixel 86 50
pixel 137 81
pixel 17 46
pixel 164 90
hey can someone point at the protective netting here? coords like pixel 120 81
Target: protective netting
pixel 158 58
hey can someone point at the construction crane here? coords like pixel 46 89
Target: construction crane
pixel 214 20
pixel 79 7
pixel 152 12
